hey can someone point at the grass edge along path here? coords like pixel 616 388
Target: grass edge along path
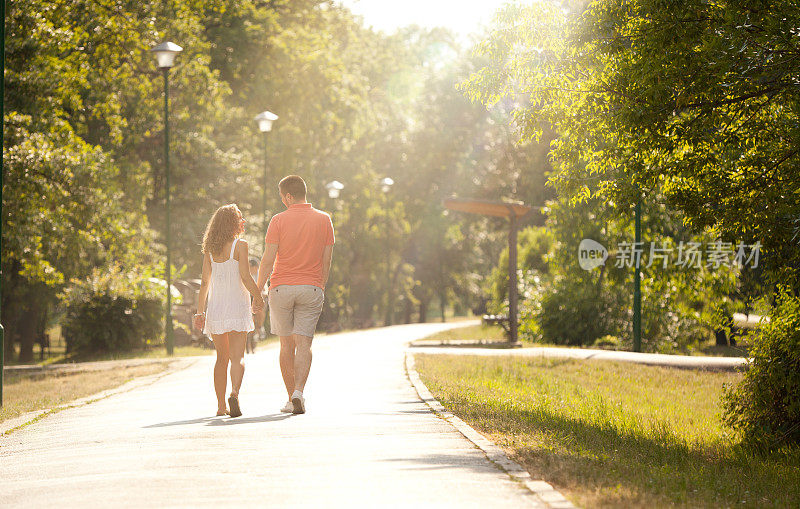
pixel 155 352
pixel 36 399
pixel 609 434
pixel 540 488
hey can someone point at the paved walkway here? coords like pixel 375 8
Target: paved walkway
pixel 653 359
pixel 367 440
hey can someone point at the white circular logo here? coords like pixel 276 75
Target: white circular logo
pixel 591 254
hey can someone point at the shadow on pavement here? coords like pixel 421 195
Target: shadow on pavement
pixel 222 421
pixel 475 462
pixel 424 411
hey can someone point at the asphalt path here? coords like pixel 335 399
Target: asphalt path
pixel 588 354
pixel 367 440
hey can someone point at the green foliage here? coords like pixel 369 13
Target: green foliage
pixel 564 304
pixel 694 105
pixel 62 205
pixel 764 408
pixel 85 150
pixel 112 311
pixel 578 312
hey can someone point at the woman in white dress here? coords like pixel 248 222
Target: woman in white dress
pixel 228 317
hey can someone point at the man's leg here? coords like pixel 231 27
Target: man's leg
pixel 281 319
pixel 287 360
pixel 302 361
pixel 306 315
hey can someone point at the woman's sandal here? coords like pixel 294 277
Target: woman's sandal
pixel 233 403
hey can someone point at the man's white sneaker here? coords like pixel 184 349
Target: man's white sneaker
pixel 288 408
pixel 298 403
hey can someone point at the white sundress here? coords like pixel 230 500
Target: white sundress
pixel 229 301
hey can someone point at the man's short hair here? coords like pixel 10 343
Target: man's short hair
pixel 254 261
pixel 293 185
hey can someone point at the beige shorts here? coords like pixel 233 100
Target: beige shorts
pixel 295 309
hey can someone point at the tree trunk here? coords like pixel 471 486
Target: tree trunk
pixel 443 304
pixel 12 308
pixel 8 343
pixel 423 311
pixel 27 331
pixel 408 310
pixel 723 337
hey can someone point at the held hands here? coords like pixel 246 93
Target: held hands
pixel 199 321
pixel 258 304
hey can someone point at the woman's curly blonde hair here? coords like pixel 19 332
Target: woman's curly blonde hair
pixel 224 226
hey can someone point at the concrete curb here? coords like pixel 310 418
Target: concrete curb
pixel 11 425
pixel 545 492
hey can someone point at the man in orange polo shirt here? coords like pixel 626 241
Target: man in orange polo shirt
pixel 297 262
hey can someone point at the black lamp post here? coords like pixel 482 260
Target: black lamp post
pixel 334 189
pixel 165 54
pixel 2 167
pixel 386 186
pixel 265 120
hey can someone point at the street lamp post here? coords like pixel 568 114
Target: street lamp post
pixel 637 281
pixel 265 120
pixel 2 166
pixel 386 186
pixel 165 55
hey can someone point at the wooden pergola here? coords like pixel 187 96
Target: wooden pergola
pixel 514 212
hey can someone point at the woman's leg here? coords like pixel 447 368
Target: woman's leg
pixel 237 344
pixel 221 370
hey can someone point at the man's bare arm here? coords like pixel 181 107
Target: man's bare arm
pixel 265 268
pixel 327 256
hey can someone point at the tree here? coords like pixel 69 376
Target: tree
pixel 696 102
pixel 355 105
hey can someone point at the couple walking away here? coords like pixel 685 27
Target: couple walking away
pixel 296 261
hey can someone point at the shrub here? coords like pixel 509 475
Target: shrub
pixel 576 311
pixel 765 407
pixel 111 311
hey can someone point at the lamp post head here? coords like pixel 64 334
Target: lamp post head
pixel 334 188
pixel 386 184
pixel 165 54
pixel 265 120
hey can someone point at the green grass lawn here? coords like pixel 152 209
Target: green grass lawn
pixel 614 434
pixel 58 357
pixel 28 392
pixel 471 333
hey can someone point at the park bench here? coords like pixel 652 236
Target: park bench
pixel 501 320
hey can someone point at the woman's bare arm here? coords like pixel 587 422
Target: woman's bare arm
pixel 203 297
pixel 206 281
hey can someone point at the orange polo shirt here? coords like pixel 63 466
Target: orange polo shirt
pixel 301 233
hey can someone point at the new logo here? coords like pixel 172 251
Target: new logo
pixel 591 254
